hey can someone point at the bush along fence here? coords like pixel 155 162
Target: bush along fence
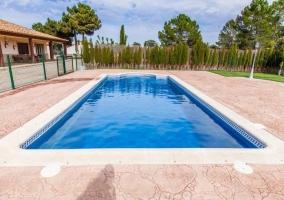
pixel 180 57
pixel 22 75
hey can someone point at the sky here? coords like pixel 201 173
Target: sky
pixel 142 19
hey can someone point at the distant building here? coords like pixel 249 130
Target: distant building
pixel 22 43
pixel 71 49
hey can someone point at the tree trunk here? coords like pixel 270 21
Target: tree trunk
pixel 76 45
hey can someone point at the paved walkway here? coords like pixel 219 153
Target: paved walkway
pixel 257 100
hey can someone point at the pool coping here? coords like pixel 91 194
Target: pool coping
pixel 12 155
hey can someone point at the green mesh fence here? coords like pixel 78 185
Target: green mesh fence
pixel 5 82
pixel 51 69
pixel 26 74
pixel 60 66
pixel 69 64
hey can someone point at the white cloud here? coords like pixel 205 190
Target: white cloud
pixel 142 19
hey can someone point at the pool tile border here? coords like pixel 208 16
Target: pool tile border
pixel 239 130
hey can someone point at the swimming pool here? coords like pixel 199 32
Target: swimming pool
pixel 140 111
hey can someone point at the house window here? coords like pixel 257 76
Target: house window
pixel 39 49
pixel 23 48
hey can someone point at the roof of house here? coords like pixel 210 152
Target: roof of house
pixel 10 29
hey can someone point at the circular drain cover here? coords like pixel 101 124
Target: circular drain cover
pixel 243 167
pixel 50 170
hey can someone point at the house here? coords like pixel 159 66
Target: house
pixel 71 49
pixel 22 41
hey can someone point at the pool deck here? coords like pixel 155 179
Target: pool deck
pixel 259 101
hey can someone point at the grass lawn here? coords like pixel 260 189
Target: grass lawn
pixel 270 77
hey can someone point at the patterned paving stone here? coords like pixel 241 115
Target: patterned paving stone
pixel 259 101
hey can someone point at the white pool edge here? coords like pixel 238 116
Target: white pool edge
pixel 12 155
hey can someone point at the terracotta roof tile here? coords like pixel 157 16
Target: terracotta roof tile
pixel 14 28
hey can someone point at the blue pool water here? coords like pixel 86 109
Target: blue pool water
pixel 134 111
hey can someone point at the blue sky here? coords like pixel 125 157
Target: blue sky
pixel 142 19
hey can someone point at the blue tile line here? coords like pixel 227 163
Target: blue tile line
pixel 252 140
pixel 56 119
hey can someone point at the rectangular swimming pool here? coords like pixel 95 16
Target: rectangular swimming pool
pixel 141 111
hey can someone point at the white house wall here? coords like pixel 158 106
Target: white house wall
pixel 9 50
pixel 71 49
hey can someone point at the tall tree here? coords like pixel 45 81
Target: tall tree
pixel 122 36
pixel 150 43
pixel 256 21
pixel 54 28
pixel 277 8
pixel 85 19
pixel 180 29
pixel 80 19
pixel 86 51
pixel 228 34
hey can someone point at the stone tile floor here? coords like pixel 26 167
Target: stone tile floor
pixel 257 100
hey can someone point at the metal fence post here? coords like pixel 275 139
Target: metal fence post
pixel 76 62
pixel 57 66
pixel 64 67
pixel 43 65
pixel 10 72
pixel 72 64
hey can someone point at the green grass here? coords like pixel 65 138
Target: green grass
pixel 264 76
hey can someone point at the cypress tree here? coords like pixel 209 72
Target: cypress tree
pixel 161 56
pixel 128 55
pixel 198 53
pixel 215 57
pixel 92 52
pixel 206 55
pixel 222 56
pixel 122 36
pixel 155 55
pixel 111 56
pixel 172 56
pixel 86 51
pixel 240 61
pixel 226 59
pixel 140 55
pixel 167 55
pixel 185 54
pixel 148 55
pixel 249 58
pixel 96 53
pixel 179 53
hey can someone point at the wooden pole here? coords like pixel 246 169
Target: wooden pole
pixel 51 50
pixel 32 50
pixel 1 57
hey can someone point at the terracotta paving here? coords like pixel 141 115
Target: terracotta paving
pixel 257 100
